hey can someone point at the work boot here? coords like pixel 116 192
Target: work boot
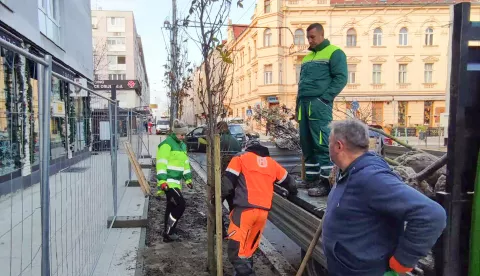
pixel 243 267
pixel 306 184
pixel 170 238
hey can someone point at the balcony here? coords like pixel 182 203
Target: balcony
pixel 377 86
pixel 403 85
pixel 299 49
pixel 117 48
pixel 122 67
pixel 293 2
pixel 429 85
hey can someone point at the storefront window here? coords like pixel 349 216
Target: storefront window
pixel 18 115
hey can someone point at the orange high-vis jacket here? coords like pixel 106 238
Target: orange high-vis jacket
pixel 253 178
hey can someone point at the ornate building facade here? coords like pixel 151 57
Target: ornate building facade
pixel 397 55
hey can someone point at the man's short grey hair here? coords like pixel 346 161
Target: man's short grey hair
pixel 353 133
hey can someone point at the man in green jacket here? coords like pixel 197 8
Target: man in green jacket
pixel 323 75
pixel 173 166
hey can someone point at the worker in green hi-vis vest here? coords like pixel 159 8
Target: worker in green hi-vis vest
pixel 323 75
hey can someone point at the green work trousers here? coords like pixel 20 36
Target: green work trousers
pixel 314 118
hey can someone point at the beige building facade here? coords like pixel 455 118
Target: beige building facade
pixel 119 54
pixel 397 55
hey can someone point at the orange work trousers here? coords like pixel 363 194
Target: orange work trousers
pixel 244 232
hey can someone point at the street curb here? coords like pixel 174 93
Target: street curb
pixel 280 265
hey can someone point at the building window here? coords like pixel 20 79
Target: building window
pixel 49 19
pixel 402 113
pixel 428 75
pixel 377 37
pixel 377 74
pixel 268 74
pixel 117 76
pixel 254 48
pixel 299 38
pixel 97 77
pixel 298 69
pixel 427 112
pixel 249 83
pixel 402 73
pixel 249 54
pixel 267 38
pixel 116 41
pixel 115 24
pixel 116 60
pixel 94 22
pixel 351 37
pixel 267 6
pixel 403 37
pixel 352 70
pixel 429 36
pixel 377 113
pixel 280 73
pixel 279 37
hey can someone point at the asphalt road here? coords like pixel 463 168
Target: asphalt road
pixel 281 242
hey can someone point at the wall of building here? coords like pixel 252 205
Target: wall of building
pixel 284 54
pixel 73 46
pixel 132 50
pixel 68 39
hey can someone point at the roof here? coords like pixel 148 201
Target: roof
pixel 238 29
pixel 397 2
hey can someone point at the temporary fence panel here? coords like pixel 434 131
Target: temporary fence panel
pixel 60 168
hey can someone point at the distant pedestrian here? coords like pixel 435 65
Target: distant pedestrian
pixel 150 126
pixel 173 166
pixel 374 222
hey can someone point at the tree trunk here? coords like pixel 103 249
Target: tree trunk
pixel 210 212
pixel 428 171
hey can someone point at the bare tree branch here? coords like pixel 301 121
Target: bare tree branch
pixel 100 58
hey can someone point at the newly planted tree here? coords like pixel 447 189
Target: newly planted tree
pixel 214 83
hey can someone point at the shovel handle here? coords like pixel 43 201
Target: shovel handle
pixel 312 245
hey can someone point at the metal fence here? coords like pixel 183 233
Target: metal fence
pixel 63 167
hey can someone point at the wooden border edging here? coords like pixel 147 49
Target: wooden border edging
pixel 131 221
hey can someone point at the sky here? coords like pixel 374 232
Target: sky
pixel 150 16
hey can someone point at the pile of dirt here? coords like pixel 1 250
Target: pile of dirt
pixel 188 256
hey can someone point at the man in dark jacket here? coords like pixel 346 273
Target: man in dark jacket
pixel 229 147
pixel 322 77
pixel 374 222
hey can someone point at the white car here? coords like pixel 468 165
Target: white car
pixel 162 127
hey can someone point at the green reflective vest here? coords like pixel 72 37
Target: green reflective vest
pixel 172 163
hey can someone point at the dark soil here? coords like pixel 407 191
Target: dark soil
pixel 188 256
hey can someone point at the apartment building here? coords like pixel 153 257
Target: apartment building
pixel 397 55
pixel 119 56
pixel 63 30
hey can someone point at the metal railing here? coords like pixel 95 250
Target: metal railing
pixel 62 167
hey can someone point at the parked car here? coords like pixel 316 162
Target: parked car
pixel 380 140
pixel 162 127
pixel 192 137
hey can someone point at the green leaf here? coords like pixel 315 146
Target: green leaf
pixel 240 3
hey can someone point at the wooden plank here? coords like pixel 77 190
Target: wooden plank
pixel 144 185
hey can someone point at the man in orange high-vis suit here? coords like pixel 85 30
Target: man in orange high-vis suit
pixel 250 178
